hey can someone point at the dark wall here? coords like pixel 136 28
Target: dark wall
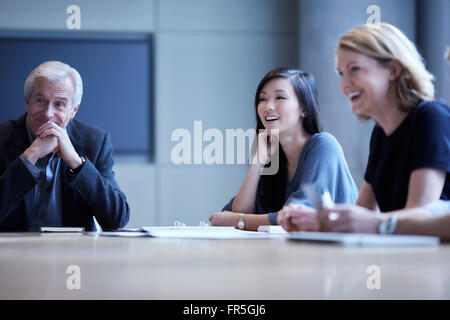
pixel 116 73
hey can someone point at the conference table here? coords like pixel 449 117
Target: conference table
pixel 90 266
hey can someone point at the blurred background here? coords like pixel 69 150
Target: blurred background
pixel 204 61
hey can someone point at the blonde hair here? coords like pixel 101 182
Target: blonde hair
pixel 384 42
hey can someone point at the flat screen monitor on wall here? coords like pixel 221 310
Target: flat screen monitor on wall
pixel 116 70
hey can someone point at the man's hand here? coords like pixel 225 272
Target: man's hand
pixel 40 148
pixel 65 149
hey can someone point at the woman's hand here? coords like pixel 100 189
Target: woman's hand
pixel 224 218
pixel 349 218
pixel 297 217
pixel 268 144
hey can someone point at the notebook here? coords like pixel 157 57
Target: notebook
pixel 364 239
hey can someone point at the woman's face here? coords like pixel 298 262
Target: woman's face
pixel 363 81
pixel 278 106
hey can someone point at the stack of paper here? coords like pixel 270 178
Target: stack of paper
pixel 187 232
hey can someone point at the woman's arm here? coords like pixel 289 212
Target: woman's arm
pixel 366 197
pixel 245 199
pixel 420 221
pixel 244 202
pixel 229 218
pixel 425 186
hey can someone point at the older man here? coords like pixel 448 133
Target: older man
pixel 55 171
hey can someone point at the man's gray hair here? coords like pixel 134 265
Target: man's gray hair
pixel 55 71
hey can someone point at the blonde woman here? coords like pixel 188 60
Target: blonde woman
pixel 385 79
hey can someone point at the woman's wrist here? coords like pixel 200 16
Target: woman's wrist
pixel 257 168
pixel 256 160
pixel 253 221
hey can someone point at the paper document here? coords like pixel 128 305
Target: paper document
pixel 272 229
pixel 187 232
pixel 204 233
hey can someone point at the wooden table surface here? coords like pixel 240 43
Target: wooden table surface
pixel 35 266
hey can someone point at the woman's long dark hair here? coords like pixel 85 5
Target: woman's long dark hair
pixel 271 188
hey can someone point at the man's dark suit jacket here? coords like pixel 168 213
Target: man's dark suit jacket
pixel 93 191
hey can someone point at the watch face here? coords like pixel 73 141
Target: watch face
pixel 241 224
pixel 388 226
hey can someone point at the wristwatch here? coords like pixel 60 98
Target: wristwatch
pixel 241 222
pixel 76 170
pixel 388 226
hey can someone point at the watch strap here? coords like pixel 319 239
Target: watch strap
pixel 73 172
pixel 388 226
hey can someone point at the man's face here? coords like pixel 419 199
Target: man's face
pixel 50 101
